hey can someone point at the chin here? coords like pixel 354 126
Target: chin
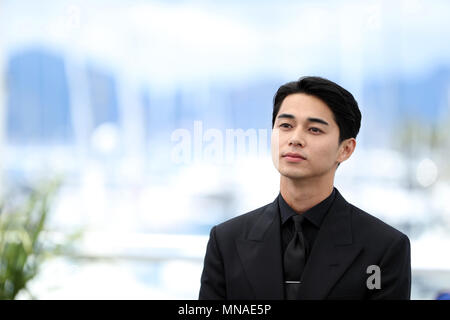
pixel 293 173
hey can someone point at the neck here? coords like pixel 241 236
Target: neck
pixel 303 194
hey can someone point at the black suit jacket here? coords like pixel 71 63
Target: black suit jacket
pixel 244 261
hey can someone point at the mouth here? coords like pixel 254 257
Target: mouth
pixel 293 157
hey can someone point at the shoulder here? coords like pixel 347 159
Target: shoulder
pixel 366 225
pixel 240 225
pixel 243 219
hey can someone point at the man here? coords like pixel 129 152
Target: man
pixel 309 243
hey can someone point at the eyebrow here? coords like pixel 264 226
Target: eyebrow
pixel 291 116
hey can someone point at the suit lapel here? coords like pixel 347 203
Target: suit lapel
pixel 333 252
pixel 260 253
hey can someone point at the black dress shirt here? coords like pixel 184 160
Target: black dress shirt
pixel 311 224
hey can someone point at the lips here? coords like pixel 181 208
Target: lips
pixel 294 155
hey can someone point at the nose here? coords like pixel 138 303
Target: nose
pixel 296 140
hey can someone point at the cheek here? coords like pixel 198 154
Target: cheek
pixel 275 141
pixel 275 146
pixel 325 152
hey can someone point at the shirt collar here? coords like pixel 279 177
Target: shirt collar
pixel 315 214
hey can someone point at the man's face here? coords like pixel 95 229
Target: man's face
pixel 305 138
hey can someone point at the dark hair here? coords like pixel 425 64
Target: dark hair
pixel 340 101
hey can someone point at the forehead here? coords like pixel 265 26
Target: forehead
pixel 304 106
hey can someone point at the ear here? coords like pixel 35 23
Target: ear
pixel 346 149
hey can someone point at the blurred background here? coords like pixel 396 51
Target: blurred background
pixel 156 118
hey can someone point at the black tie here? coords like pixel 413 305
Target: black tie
pixel 294 260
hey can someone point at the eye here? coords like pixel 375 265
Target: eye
pixel 315 130
pixel 285 125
